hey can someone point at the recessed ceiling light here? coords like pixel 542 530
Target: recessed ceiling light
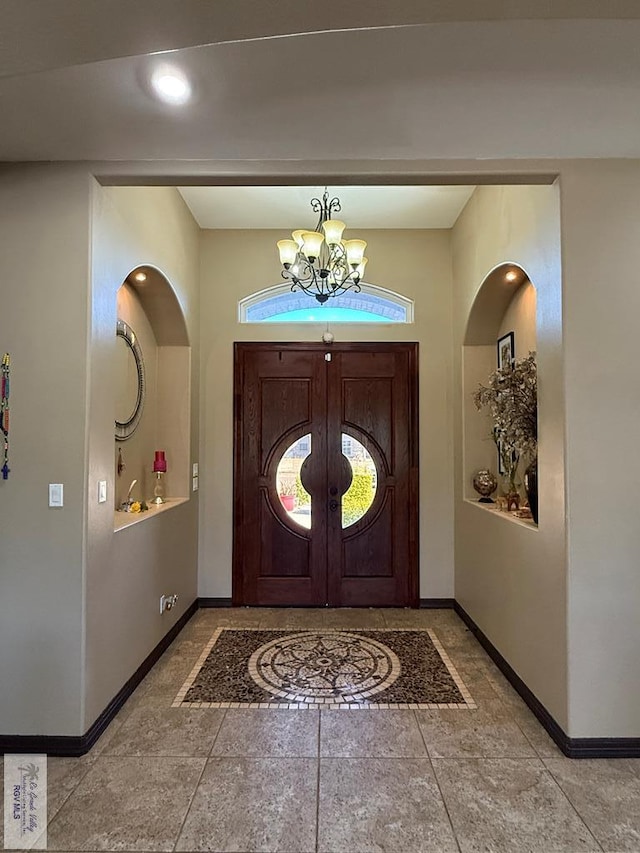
pixel 512 275
pixel 140 276
pixel 171 85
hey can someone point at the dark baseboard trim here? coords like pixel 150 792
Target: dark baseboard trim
pixel 581 747
pixel 73 746
pixel 436 603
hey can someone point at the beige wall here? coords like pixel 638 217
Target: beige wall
pixel 478 447
pixel 128 571
pixel 520 318
pixel 560 603
pixel 44 276
pixel 80 603
pixel 601 259
pixel 511 579
pixel 235 264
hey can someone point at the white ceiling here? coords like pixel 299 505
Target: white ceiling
pixel 37 35
pixel 362 207
pixel 456 88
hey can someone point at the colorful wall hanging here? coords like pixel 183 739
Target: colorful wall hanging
pixel 4 414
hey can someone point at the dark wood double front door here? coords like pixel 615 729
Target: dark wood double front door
pixel 325 482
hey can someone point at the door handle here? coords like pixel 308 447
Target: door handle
pixel 333 505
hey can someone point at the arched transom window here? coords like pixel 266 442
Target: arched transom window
pixel 371 305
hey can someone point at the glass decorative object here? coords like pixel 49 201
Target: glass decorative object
pixel 159 472
pixel 485 484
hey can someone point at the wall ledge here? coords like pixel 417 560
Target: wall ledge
pixel 507 516
pixel 122 520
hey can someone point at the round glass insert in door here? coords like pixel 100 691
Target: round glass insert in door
pixel 293 496
pixel 358 498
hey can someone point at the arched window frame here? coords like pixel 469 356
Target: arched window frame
pixel 254 299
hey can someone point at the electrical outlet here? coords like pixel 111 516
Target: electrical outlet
pixel 167 602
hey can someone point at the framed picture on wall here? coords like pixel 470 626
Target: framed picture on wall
pixel 506 350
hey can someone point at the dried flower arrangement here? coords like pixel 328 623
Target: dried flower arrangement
pixel 512 399
pixel 287 486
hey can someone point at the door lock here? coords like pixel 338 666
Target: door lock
pixel 333 490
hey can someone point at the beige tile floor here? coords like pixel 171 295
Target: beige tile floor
pixel 164 779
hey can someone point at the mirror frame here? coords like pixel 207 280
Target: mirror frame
pixel 126 429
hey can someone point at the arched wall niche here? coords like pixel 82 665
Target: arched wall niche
pixel 505 302
pixel 492 300
pixel 160 304
pixel 147 303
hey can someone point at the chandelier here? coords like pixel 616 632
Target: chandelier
pixel 320 262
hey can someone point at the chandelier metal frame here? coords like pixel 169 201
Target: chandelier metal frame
pixel 333 270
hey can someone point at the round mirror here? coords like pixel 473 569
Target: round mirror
pixel 126 373
pixel 129 373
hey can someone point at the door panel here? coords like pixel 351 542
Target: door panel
pixel 368 393
pixel 284 554
pixel 367 404
pixel 280 396
pixel 357 546
pixel 284 404
pixel 369 552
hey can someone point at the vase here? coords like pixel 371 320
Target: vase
pixel 288 502
pixel 159 489
pixel 531 486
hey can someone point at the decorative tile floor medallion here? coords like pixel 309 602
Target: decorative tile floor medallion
pixel 327 668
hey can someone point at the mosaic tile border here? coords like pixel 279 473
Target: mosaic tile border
pixel 328 705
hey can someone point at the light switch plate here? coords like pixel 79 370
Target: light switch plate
pixel 195 469
pixel 195 484
pixel 56 494
pixel 102 491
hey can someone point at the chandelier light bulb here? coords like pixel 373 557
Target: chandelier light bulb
pixel 361 267
pixel 312 243
pixel 355 251
pixel 333 229
pixel 288 252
